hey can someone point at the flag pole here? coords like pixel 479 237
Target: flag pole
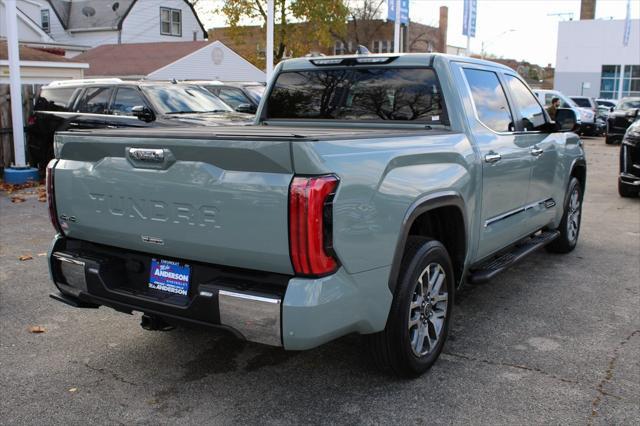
pixel 396 31
pixel 269 52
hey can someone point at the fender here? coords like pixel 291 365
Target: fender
pixel 418 207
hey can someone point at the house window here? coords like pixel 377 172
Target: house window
pixel 386 46
pixel 338 48
pixel 376 46
pixel 44 20
pixel 170 22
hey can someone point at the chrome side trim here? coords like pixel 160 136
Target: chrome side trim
pixel 65 258
pixel 257 318
pixel 547 203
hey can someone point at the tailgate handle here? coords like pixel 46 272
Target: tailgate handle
pixel 147 155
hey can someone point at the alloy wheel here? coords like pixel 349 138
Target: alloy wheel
pixel 428 310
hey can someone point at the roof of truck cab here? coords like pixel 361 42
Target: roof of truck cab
pixel 400 59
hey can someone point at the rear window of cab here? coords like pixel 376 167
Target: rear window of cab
pixel 363 94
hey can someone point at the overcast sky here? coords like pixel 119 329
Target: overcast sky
pixel 535 35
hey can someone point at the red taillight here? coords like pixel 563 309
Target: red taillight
pixel 310 227
pixel 53 216
pixel 31 120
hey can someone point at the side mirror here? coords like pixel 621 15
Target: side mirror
pixel 143 113
pixel 611 109
pixel 247 108
pixel 566 120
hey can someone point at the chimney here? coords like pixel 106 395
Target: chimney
pixel 587 9
pixel 442 29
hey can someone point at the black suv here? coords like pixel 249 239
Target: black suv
pixel 629 179
pixel 621 117
pixel 113 103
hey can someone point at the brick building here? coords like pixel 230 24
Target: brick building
pixel 376 35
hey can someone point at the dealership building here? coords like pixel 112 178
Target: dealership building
pixel 594 60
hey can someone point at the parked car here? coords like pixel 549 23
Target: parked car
pixel 608 103
pixel 586 117
pixel 590 104
pixel 243 97
pixel 620 118
pixel 363 198
pixel 629 179
pixel 113 103
pixel 585 102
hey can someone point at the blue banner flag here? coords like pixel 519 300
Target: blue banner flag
pixel 627 25
pixel 404 11
pixel 469 18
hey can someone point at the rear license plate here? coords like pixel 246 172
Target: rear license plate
pixel 169 277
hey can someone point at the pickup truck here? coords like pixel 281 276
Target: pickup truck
pixel 369 190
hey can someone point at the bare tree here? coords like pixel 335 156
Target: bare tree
pixel 364 22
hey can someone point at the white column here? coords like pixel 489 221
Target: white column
pixel 620 83
pixel 269 52
pixel 396 31
pixel 14 82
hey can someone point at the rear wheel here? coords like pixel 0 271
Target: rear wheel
pixel 570 225
pixel 418 322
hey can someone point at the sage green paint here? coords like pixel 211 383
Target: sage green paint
pixel 381 177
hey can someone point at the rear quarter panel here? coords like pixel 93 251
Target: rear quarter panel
pixel 380 178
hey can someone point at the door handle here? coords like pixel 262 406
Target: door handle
pixel 492 157
pixel 536 151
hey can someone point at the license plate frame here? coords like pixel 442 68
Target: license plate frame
pixel 169 277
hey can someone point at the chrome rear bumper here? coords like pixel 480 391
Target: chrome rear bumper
pixel 256 317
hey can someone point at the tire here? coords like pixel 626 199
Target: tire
pixel 570 225
pixel 625 191
pixel 396 348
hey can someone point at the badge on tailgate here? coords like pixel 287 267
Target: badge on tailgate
pixel 150 158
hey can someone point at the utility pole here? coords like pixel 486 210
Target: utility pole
pixel 269 50
pixel 14 82
pixel 19 172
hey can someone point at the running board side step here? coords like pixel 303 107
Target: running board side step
pixel 486 271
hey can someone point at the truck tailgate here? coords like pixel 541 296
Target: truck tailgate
pixel 216 200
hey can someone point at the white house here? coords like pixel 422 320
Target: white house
pixel 83 24
pixel 187 60
pixel 593 60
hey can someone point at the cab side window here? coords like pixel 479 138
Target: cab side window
pixel 530 111
pixel 490 100
pixel 95 100
pixel 126 98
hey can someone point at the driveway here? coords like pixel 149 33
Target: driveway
pixel 554 340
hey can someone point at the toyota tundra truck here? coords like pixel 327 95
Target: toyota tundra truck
pixel 368 191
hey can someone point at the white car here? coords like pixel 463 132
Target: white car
pixel 586 117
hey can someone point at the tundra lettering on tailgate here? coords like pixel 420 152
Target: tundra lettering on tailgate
pixel 155 210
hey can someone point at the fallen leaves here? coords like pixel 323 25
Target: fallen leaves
pixel 25 257
pixel 37 329
pixel 10 188
pixel 17 199
pixel 73 390
pixel 42 194
pixel 44 253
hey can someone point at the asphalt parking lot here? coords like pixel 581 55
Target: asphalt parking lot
pixel 554 340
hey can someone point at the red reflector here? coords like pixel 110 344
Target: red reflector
pixel 309 235
pixel 53 216
pixel 31 120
